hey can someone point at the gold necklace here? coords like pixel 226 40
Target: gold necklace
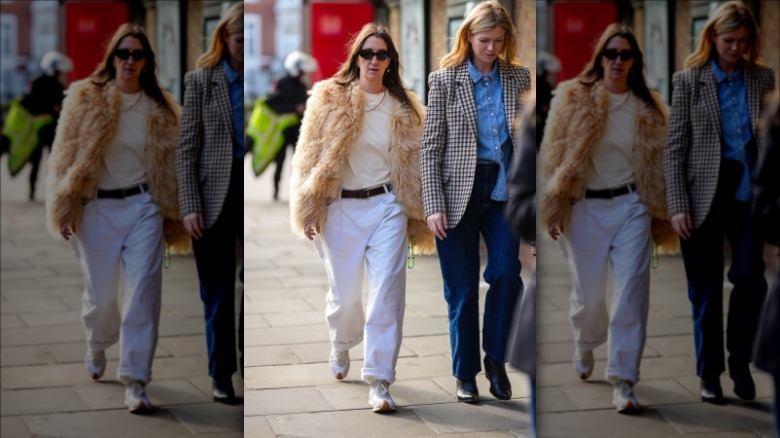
pixel 378 104
pixel 614 109
pixel 126 108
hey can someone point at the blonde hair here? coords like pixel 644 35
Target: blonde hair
pixel 232 22
pixel 728 17
pixel 484 17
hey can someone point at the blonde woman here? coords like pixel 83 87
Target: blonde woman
pixel 209 164
pixel 604 200
pixel 112 193
pixel 710 155
pixel 356 193
pixel 465 155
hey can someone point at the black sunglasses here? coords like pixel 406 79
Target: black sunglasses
pixel 367 54
pixel 624 54
pixel 124 54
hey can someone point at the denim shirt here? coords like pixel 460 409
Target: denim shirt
pixel 236 82
pixel 493 144
pixel 735 122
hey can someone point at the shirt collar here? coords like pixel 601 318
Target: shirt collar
pixel 721 75
pixel 231 74
pixel 476 75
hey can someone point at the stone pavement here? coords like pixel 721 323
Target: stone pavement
pixel 290 390
pixel 46 390
pixel 668 389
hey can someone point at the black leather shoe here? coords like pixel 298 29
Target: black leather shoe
pixel 744 386
pixel 711 392
pixel 499 381
pixel 223 393
pixel 466 391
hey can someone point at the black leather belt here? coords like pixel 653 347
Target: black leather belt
pixel 367 193
pixel 122 193
pixel 610 193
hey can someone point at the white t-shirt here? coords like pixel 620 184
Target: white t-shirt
pixel 368 164
pixel 612 163
pixel 124 161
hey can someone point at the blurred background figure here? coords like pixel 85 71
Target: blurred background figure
pixel 45 97
pixel 547 65
pixel 288 95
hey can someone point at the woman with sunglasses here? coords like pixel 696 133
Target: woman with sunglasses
pixel 209 165
pixel 604 197
pixel 355 191
pixel 467 147
pixel 711 153
pixel 112 192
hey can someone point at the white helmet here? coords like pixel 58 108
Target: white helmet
pixel 53 62
pixel 298 62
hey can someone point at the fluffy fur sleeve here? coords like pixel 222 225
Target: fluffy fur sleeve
pixel 405 171
pixel 71 176
pixel 308 202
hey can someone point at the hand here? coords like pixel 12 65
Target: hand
pixel 681 222
pixel 67 229
pixel 311 230
pixel 555 229
pixel 437 223
pixel 193 223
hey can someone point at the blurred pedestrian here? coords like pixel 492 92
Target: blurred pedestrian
pixel 209 164
pixel 605 198
pixel 356 192
pixel 766 208
pixel 45 97
pixel 465 156
pixel 289 96
pixel 711 152
pixel 521 211
pixel 112 189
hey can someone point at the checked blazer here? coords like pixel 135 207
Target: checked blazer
pixel 448 156
pixel 204 156
pixel 693 142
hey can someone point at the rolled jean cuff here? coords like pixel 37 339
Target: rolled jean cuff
pixel 613 375
pixel 370 374
pixel 124 375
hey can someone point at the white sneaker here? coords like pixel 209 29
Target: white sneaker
pixel 583 363
pixel 135 397
pixel 623 397
pixel 339 363
pixel 379 397
pixel 96 363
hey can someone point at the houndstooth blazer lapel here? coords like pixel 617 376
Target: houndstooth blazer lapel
pixel 709 94
pixel 753 85
pixel 510 92
pixel 221 87
pixel 464 90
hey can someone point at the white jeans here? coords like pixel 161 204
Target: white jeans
pixel 366 235
pixel 610 236
pixel 122 233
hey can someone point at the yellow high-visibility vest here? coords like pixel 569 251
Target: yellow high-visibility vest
pixel 22 128
pixel 266 128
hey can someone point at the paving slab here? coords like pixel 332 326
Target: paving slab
pixel 45 390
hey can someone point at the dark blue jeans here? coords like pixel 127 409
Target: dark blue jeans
pixel 215 258
pixel 460 265
pixel 704 262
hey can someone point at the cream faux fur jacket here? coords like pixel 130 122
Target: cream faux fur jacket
pixel 577 121
pixel 334 115
pixel 88 121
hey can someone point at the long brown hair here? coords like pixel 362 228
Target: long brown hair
pixel 349 71
pixel 148 79
pixel 728 17
pixel 484 17
pixel 637 83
